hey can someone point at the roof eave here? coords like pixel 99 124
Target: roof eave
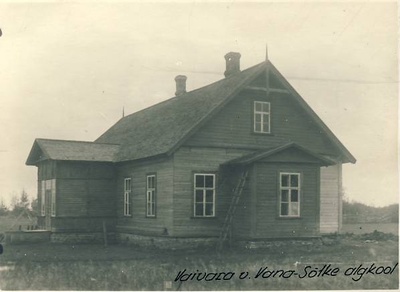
pixel 346 153
pixel 270 152
pixel 35 147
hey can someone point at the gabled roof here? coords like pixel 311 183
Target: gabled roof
pixel 346 153
pixel 266 153
pixel 164 127
pixel 160 129
pixel 43 149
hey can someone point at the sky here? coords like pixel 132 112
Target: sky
pixel 68 69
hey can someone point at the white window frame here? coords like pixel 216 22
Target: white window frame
pixel 43 198
pixel 151 194
pixel 48 185
pixel 127 196
pixel 53 198
pixel 289 188
pixel 204 189
pixel 262 115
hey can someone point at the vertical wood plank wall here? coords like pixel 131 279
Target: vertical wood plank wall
pixel 331 200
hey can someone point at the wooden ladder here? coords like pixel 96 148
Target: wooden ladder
pixel 227 225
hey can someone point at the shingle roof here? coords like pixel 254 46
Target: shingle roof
pixel 71 150
pixel 160 128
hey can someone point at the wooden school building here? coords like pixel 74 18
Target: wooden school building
pixel 244 157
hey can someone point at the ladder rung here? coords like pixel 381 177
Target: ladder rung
pixel 227 225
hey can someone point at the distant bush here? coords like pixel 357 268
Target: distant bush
pixel 354 212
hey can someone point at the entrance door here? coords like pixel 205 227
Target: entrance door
pixel 47 209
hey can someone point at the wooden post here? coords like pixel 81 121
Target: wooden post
pixel 105 233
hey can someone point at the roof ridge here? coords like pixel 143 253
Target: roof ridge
pixel 75 141
pixel 192 91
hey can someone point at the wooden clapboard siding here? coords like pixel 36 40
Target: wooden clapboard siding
pixel 268 223
pixel 188 161
pixel 242 223
pixel 138 222
pixel 72 197
pixel 234 125
pixel 85 189
pixel 273 81
pixel 47 169
pixel 331 198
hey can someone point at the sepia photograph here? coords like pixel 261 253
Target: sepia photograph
pixel 199 145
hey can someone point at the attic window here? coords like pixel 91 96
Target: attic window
pixel 262 117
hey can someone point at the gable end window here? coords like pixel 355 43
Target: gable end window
pixel 289 194
pixel 204 195
pixel 151 196
pixel 262 117
pixel 127 197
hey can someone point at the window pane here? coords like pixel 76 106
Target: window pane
pixel 209 196
pixel 294 209
pixel 209 209
pixel 284 180
pixel 198 209
pixel 285 196
pixel 199 196
pixel 199 181
pixel 266 126
pixel 257 118
pixel 294 180
pixel 257 127
pixel 258 106
pixel 209 181
pixel 294 196
pixel 284 209
pixel 153 209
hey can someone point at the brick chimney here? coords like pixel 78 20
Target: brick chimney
pixel 180 85
pixel 232 63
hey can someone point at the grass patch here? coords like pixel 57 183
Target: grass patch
pixel 118 267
